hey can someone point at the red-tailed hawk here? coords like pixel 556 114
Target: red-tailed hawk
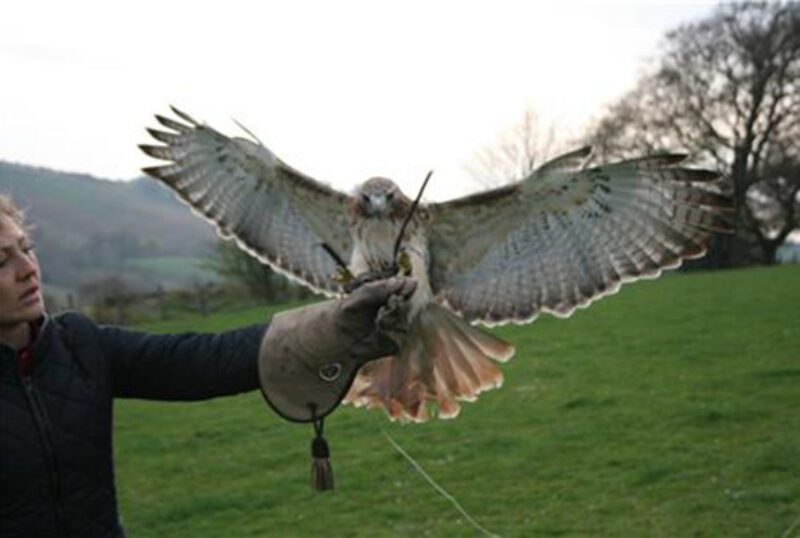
pixel 553 242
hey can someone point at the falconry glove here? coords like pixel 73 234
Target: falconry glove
pixel 310 355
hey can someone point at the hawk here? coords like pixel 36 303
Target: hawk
pixel 553 242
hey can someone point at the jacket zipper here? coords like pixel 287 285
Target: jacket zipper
pixel 43 425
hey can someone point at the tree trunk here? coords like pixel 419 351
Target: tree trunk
pixel 769 251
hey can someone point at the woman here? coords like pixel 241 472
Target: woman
pixel 59 375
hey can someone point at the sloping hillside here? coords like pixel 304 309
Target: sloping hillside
pixel 88 227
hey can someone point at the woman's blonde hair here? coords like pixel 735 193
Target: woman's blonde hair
pixel 7 207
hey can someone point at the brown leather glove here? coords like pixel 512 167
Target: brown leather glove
pixel 310 355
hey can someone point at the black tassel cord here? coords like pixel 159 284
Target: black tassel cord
pixel 321 471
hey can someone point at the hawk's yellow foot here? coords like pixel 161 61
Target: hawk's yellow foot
pixel 404 263
pixel 343 276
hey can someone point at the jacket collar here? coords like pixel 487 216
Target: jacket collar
pixel 40 330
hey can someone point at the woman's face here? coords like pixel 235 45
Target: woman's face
pixel 20 294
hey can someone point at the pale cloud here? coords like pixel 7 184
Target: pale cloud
pixel 341 90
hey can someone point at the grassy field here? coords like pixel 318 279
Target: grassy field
pixel 671 409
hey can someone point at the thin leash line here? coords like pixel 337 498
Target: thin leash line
pixel 436 486
pixel 793 526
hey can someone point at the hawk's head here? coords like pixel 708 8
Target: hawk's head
pixel 380 198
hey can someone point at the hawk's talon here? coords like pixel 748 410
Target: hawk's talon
pixel 404 263
pixel 369 276
pixel 401 267
pixel 343 276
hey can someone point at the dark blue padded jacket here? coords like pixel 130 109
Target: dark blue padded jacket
pixel 56 468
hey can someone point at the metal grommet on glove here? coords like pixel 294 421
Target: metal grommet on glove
pixel 330 372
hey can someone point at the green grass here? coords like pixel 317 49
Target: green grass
pixel 671 409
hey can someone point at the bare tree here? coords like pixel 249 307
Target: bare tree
pixel 111 299
pixel 774 204
pixel 517 152
pixel 234 264
pixel 237 266
pixel 727 90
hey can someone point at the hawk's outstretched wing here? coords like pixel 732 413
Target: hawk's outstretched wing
pixel 565 235
pixel 273 211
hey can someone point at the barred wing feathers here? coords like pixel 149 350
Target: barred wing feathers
pixel 566 236
pixel 274 212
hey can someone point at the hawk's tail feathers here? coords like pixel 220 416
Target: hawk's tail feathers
pixel 443 362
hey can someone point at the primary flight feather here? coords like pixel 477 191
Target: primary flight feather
pixel 552 242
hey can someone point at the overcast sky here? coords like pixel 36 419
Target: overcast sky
pixel 341 90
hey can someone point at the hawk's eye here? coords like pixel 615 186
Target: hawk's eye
pixel 390 196
pixel 365 198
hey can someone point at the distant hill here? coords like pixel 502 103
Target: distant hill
pixel 87 228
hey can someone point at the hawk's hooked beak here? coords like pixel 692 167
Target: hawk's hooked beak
pixel 378 203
